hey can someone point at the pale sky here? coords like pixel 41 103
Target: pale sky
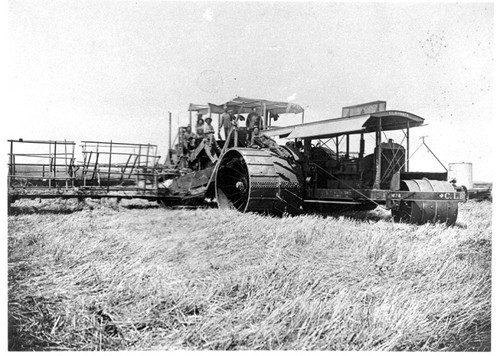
pixel 112 70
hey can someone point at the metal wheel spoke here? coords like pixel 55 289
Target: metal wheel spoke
pixel 242 172
pixel 235 177
pixel 229 184
pixel 235 194
pixel 242 203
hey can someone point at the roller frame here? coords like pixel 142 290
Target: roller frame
pixel 395 197
pixel 419 207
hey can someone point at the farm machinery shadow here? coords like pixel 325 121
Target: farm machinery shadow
pixel 376 214
pixel 67 207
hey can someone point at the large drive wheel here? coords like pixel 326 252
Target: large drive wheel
pixel 421 212
pixel 258 180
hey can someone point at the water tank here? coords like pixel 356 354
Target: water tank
pixel 462 173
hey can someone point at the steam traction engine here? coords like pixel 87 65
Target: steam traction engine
pixel 306 174
pixel 349 162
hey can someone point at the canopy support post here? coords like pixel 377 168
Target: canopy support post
pixel 378 156
pixel 362 146
pixel 169 154
pixel 264 115
pixel 347 146
pixel 408 146
pixel 337 148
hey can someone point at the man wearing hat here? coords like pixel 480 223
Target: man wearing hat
pixel 254 121
pixel 199 126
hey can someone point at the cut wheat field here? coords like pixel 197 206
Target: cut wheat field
pixel 133 276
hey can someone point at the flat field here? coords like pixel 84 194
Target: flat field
pixel 132 276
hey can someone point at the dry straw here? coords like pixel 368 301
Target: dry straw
pixel 131 276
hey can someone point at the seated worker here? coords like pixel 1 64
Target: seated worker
pixel 200 125
pixel 253 121
pixel 255 135
pixel 209 131
pixel 188 140
pixel 263 141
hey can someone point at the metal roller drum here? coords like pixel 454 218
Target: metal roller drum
pixel 423 211
pixel 251 180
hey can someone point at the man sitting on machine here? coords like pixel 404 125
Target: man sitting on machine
pixel 254 121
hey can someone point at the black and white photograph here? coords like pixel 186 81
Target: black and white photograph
pixel 249 175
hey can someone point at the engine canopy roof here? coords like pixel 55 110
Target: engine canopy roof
pixel 241 105
pixel 389 120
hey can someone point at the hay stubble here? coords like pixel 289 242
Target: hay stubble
pixel 114 278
